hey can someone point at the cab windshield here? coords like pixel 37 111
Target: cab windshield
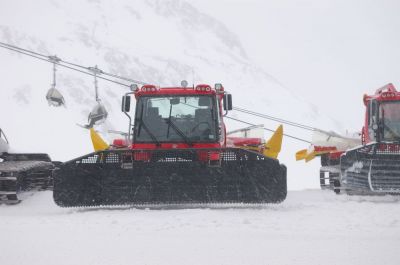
pixel 390 118
pixel 176 119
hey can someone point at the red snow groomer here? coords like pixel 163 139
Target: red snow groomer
pixel 373 166
pixel 176 152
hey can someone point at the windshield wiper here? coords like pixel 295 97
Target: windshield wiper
pixel 179 131
pixel 141 123
pixel 153 137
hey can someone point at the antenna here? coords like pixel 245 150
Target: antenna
pixel 193 76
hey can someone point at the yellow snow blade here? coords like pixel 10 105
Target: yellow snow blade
pixel 311 156
pixel 308 155
pixel 274 144
pixel 98 142
pixel 300 155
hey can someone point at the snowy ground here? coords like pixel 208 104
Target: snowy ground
pixel 310 227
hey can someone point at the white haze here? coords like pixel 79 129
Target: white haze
pixel 290 60
pixel 306 61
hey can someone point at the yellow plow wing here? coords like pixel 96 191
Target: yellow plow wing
pixel 309 155
pixel 98 142
pixel 273 146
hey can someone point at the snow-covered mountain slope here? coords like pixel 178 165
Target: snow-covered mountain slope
pixel 159 42
pixel 310 227
pixel 329 51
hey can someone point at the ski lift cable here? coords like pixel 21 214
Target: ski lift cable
pixel 22 49
pixel 74 64
pixel 59 61
pixel 47 59
pixel 294 124
pixel 251 124
pixel 109 74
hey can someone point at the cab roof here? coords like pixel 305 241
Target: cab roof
pixel 385 93
pixel 201 89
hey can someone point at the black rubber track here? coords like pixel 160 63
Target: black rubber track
pixel 375 165
pixel 24 172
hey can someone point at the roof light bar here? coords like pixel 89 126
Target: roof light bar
pixel 203 88
pixel 388 95
pixel 148 88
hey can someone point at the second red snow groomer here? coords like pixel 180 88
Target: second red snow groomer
pixel 375 166
pixel 370 165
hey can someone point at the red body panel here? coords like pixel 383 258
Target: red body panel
pixel 325 148
pixel 173 92
pixel 119 143
pixel 147 90
pixel 241 141
pixel 173 145
pixel 335 155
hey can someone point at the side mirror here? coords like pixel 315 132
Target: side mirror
pixel 126 104
pixel 228 102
